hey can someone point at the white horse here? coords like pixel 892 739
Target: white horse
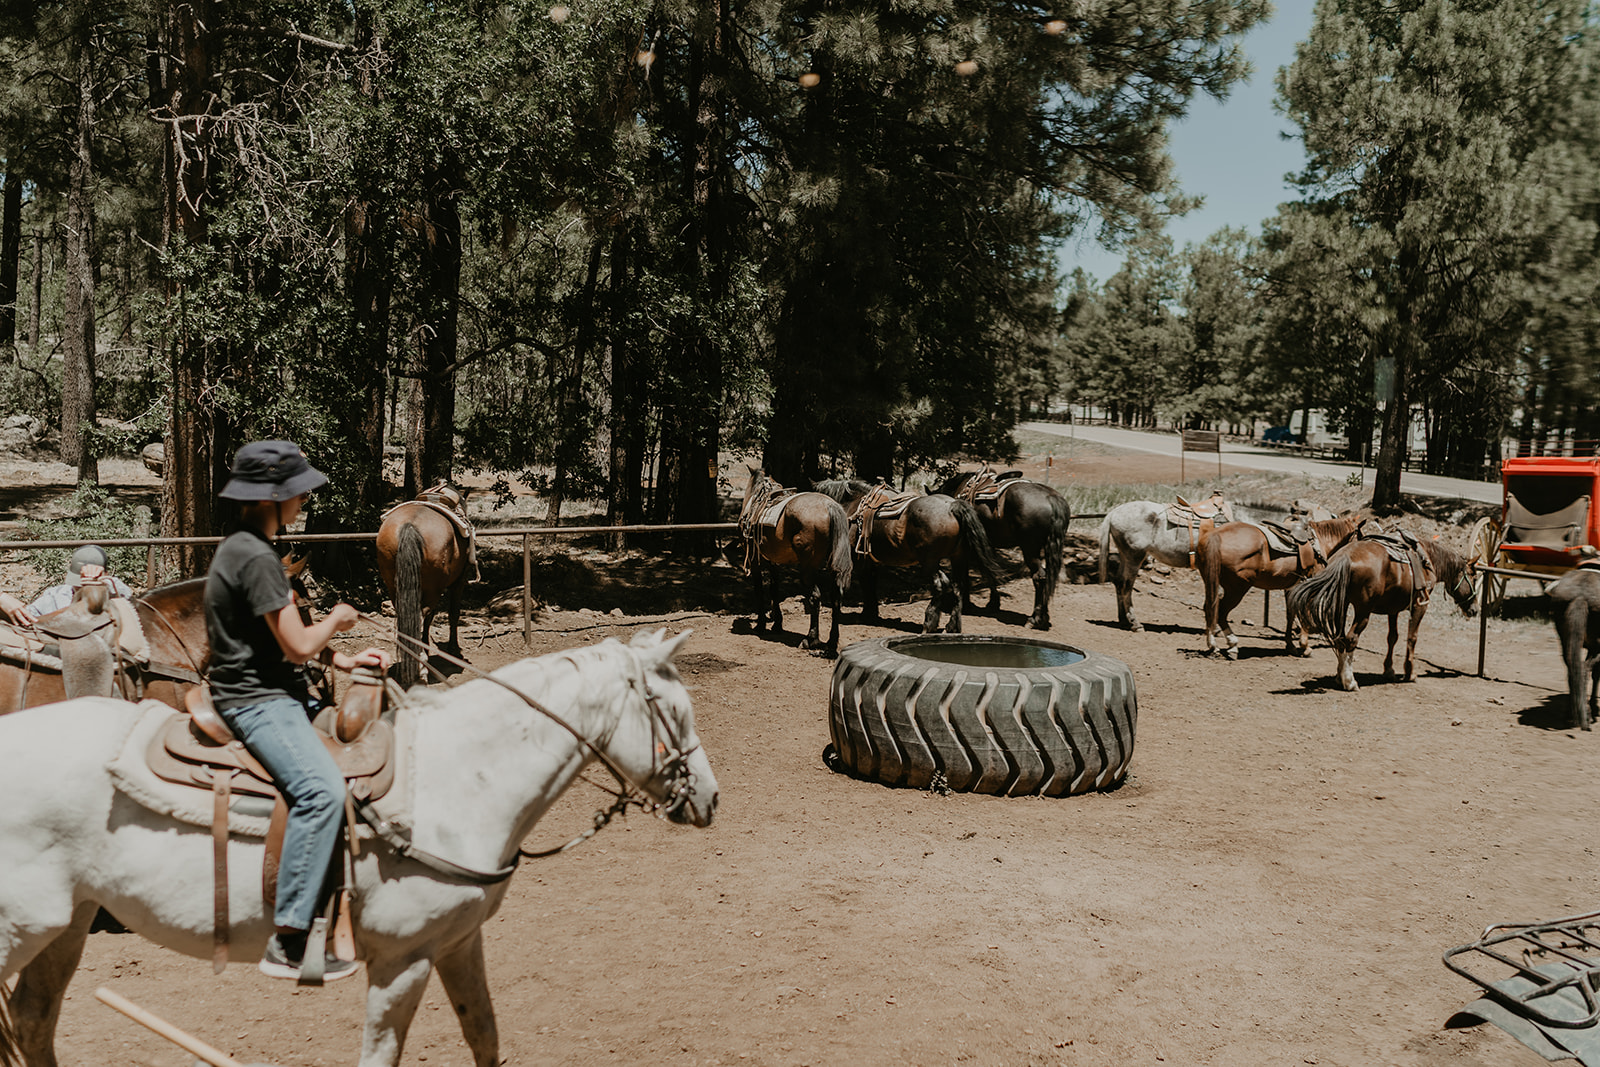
pixel 479 765
pixel 1140 528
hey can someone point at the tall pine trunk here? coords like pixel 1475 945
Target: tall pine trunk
pixel 10 253
pixel 440 298
pixel 194 445
pixel 78 334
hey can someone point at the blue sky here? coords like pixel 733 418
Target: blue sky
pixel 1228 152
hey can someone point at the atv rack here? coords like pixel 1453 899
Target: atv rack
pixel 1541 960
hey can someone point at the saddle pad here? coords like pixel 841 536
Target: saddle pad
pixel 130 631
pixel 134 779
pixel 993 493
pixel 892 507
pixel 770 517
pixel 1278 540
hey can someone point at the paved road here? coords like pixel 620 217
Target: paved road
pixel 1259 457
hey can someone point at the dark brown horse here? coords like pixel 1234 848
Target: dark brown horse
pixel 1028 516
pixel 1576 596
pixel 422 555
pixel 941 536
pixel 808 531
pixel 1237 556
pixel 1379 576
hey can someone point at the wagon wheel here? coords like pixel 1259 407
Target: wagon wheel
pixel 1485 545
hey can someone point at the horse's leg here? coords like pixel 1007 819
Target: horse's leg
pixel 466 983
pixel 775 596
pixel 836 604
pixel 1128 564
pixel 941 586
pixel 41 985
pixel 1038 571
pixel 1388 658
pixel 867 572
pixel 961 574
pixel 455 612
pixel 1411 641
pixel 1347 651
pixel 394 989
pixel 813 601
pixel 1228 598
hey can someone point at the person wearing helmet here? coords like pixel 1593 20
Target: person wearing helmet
pixel 88 564
pixel 259 646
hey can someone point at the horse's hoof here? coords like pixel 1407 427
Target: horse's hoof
pixel 807 644
pixel 1135 628
pixel 1232 654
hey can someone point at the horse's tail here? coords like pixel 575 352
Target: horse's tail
pixel 1055 543
pixel 1105 545
pixel 408 606
pixel 1322 601
pixel 840 558
pixel 976 540
pixel 1208 561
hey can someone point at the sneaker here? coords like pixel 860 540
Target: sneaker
pixel 284 954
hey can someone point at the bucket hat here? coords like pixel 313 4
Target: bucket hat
pixel 271 470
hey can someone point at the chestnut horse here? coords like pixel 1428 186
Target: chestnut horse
pixel 422 555
pixel 1236 557
pixel 938 534
pixel 808 531
pixel 1028 516
pixel 1366 578
pixel 173 619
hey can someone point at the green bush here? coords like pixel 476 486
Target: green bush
pixel 90 514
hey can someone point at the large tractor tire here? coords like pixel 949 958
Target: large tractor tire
pixel 1001 715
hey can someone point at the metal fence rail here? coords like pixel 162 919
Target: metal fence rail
pixel 527 533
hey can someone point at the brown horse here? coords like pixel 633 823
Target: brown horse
pixel 173 620
pixel 1237 557
pixel 807 531
pixel 1382 575
pixel 940 535
pixel 422 555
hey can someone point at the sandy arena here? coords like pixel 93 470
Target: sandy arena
pixel 1273 884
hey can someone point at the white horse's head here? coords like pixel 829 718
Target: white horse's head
pixel 659 748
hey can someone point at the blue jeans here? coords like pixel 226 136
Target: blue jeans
pixel 278 733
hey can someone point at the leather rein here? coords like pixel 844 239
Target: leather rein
pixel 672 757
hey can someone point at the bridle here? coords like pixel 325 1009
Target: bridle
pixel 670 763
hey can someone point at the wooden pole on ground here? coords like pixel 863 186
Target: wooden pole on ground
pixel 188 1042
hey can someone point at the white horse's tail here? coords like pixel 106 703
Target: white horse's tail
pixel 1105 545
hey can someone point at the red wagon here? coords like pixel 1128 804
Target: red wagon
pixel 1548 522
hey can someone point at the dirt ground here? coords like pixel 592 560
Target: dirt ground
pixel 1273 884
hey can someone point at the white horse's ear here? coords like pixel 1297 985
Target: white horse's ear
pixel 648 638
pixel 670 649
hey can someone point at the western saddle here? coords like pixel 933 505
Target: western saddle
pixel 196 748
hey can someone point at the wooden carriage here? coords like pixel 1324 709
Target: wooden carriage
pixel 1548 520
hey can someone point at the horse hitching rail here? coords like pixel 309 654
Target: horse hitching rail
pixel 527 533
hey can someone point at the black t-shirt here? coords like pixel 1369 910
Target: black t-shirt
pixel 246 582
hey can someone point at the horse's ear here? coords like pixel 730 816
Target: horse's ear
pixel 647 638
pixel 294 566
pixel 657 647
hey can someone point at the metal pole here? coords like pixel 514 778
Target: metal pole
pixel 1483 622
pixel 527 590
